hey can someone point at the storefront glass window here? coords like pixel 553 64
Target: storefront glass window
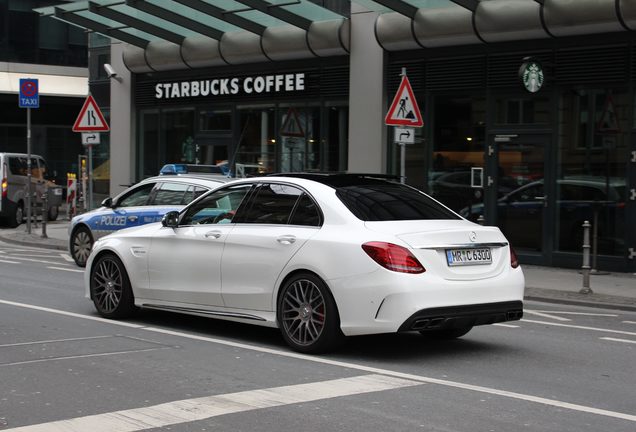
pixel 215 120
pixel 335 149
pixel 256 148
pixel 591 170
pixel 523 110
pixel 300 138
pixel 178 135
pixel 458 152
pixel 149 144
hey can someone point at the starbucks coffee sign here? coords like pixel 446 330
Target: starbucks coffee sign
pixel 531 75
pixel 260 84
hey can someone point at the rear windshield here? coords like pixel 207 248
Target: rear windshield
pixel 385 201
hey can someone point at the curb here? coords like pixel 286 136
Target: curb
pixel 41 244
pixel 598 305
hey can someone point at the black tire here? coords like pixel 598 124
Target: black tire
pixel 307 315
pixel 80 245
pixel 54 212
pixel 446 334
pixel 110 288
pixel 16 218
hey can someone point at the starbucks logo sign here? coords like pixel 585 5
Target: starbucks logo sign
pixel 531 75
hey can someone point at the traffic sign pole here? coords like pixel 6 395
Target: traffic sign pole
pixel 29 186
pixel 402 149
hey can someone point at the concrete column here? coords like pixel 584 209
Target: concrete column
pixel 367 95
pixel 122 123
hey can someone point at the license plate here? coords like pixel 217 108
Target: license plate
pixel 473 256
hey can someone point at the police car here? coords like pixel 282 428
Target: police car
pixel 142 203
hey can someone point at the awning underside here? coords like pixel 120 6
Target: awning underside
pixel 180 34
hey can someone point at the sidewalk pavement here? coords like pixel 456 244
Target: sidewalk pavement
pixel 549 284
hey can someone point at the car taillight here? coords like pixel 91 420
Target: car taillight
pixel 514 261
pixel 393 257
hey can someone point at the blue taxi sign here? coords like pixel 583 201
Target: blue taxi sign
pixel 29 95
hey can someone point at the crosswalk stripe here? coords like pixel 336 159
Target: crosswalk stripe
pixel 202 408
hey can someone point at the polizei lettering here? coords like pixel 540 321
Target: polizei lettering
pixel 231 86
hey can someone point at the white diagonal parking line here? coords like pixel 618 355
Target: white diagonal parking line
pixel 619 340
pixel 67 257
pixel 506 325
pixel 545 315
pixel 10 262
pixel 65 269
pixel 190 410
pixel 420 378
pixel 580 327
pixel 578 313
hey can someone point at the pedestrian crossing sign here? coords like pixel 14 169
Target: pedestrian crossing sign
pixel 90 118
pixel 404 110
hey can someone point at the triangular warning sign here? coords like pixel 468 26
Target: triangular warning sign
pixel 90 118
pixel 609 120
pixel 291 126
pixel 404 110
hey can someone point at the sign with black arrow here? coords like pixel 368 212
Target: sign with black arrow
pixel 404 135
pixel 90 138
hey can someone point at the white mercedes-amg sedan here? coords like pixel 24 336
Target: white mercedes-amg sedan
pixel 320 256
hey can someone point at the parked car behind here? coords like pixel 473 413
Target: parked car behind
pixel 14 171
pixel 140 204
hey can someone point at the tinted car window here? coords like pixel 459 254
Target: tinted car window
pixel 170 194
pixel 18 166
pixel 193 193
pixel 217 208
pixel 136 197
pixel 384 201
pixel 273 204
pixel 305 213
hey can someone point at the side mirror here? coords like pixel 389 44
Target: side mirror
pixel 170 219
pixel 108 202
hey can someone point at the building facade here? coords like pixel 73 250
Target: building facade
pixel 56 54
pixel 528 106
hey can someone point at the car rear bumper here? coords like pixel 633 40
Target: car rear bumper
pixel 453 317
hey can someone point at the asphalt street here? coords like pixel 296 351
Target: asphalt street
pixel 63 368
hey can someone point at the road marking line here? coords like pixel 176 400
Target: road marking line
pixel 44 360
pixel 55 341
pixel 580 327
pixel 202 408
pixel 503 393
pixel 65 269
pixel 580 313
pixel 506 325
pixel 619 340
pixel 32 256
pixel 545 315
pixel 38 261
pixel 10 262
pixel 629 322
pixel 71 314
pixel 67 257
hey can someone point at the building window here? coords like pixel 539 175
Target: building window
pixel 522 110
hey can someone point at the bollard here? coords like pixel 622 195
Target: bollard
pixel 45 212
pixel 481 220
pixel 586 259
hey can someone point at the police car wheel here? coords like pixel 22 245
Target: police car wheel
pixel 81 245
pixel 110 287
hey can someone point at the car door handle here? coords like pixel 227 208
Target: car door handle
pixel 286 239
pixel 214 234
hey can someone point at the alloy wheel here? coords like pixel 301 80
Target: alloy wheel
pixel 303 312
pixel 82 245
pixel 108 285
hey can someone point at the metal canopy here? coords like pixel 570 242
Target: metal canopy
pixel 97 27
pixel 171 16
pixel 299 13
pixel 225 15
pixel 137 23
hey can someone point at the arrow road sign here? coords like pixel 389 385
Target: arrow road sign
pixel 404 135
pixel 90 138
